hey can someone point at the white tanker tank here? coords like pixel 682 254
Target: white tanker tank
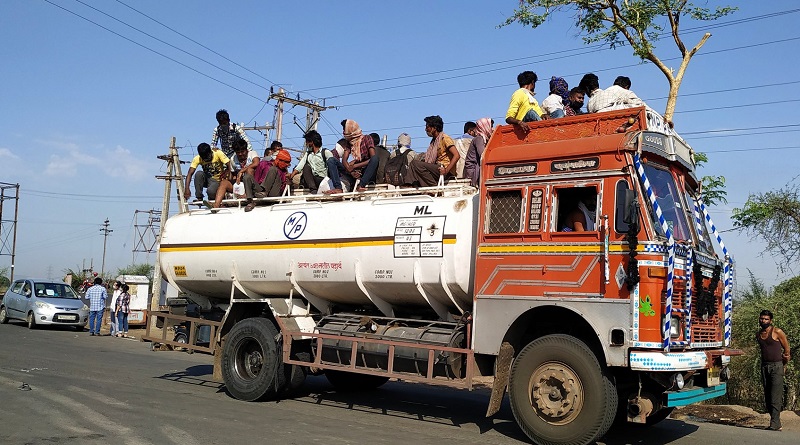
pixel 388 251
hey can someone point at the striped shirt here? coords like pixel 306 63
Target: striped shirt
pixel 97 297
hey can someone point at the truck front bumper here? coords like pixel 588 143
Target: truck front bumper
pixel 687 396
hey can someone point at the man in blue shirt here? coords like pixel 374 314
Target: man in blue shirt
pixel 97 296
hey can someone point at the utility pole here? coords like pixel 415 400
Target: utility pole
pixel 105 231
pixel 5 232
pixel 173 174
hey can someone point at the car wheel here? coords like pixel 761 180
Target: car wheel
pixel 31 321
pixel 3 315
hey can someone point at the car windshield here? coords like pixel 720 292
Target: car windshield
pixel 54 290
pixel 668 198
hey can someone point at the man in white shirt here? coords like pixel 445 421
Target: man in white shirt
pixel 615 97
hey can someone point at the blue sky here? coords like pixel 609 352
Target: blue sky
pixel 85 107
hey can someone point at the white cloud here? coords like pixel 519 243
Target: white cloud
pixel 6 153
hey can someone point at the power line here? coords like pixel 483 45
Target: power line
pixel 156 52
pixel 196 42
pixel 690 30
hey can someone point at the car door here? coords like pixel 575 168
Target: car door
pixel 11 300
pixel 26 299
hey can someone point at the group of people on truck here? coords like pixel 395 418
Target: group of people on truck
pixel 231 166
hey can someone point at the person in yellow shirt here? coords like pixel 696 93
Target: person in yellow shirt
pixel 523 107
pixel 216 167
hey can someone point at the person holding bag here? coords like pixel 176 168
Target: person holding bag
pixel 123 308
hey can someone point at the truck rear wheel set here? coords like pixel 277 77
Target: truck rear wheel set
pixel 252 362
pixel 559 393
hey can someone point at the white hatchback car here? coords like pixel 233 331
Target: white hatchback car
pixel 43 302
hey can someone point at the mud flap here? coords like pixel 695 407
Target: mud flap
pixel 503 370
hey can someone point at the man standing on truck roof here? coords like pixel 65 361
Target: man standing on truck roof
pixel 227 132
pixel 440 159
pixel 523 107
pixel 215 168
pixel 775 354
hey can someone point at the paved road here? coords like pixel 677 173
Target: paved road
pixel 100 390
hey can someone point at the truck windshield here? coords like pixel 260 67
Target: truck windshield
pixel 704 238
pixel 668 197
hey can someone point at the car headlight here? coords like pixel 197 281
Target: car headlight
pixel 43 305
pixel 85 308
pixel 675 327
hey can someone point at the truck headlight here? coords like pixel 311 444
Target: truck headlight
pixel 677 380
pixel 675 327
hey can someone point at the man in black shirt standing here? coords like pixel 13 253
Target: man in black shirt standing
pixel 774 356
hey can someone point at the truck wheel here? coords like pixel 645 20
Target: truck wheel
pixel 250 358
pixel 3 315
pixel 350 381
pixel 559 393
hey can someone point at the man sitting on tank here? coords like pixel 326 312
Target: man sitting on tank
pixel 312 166
pixel 216 167
pixel 359 159
pixel 269 179
pixel 440 159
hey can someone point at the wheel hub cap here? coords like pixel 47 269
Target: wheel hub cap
pixel 556 393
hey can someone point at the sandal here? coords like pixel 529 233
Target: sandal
pixel 249 207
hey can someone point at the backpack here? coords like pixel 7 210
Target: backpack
pixel 396 167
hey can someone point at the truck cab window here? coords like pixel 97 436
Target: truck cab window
pixel 505 211
pixel 577 209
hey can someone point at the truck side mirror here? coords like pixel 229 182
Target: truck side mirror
pixel 631 210
pixel 626 212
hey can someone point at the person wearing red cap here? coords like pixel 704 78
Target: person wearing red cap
pixel 269 179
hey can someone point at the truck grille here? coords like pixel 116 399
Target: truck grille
pixel 703 331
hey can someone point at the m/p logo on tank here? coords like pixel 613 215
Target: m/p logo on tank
pixel 295 225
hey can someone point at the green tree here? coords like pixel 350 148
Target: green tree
pixel 138 269
pixel 712 188
pixel 635 22
pixel 775 218
pixel 5 281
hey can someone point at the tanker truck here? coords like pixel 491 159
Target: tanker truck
pixel 457 285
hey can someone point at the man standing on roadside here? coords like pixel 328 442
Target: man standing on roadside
pixel 97 296
pixel 774 356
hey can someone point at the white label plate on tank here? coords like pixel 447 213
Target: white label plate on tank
pixel 417 237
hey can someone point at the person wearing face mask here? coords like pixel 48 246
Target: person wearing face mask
pixel 576 96
pixel 269 180
pixel 272 150
pixel 775 354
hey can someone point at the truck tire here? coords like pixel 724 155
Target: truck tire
pixel 559 393
pixel 350 381
pixel 250 358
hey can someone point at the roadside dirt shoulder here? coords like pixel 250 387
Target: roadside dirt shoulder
pixel 735 415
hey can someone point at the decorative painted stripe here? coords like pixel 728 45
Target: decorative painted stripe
pixel 668 361
pixel 550 248
pixel 316 244
pixel 670 249
pixel 688 302
pixel 727 295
